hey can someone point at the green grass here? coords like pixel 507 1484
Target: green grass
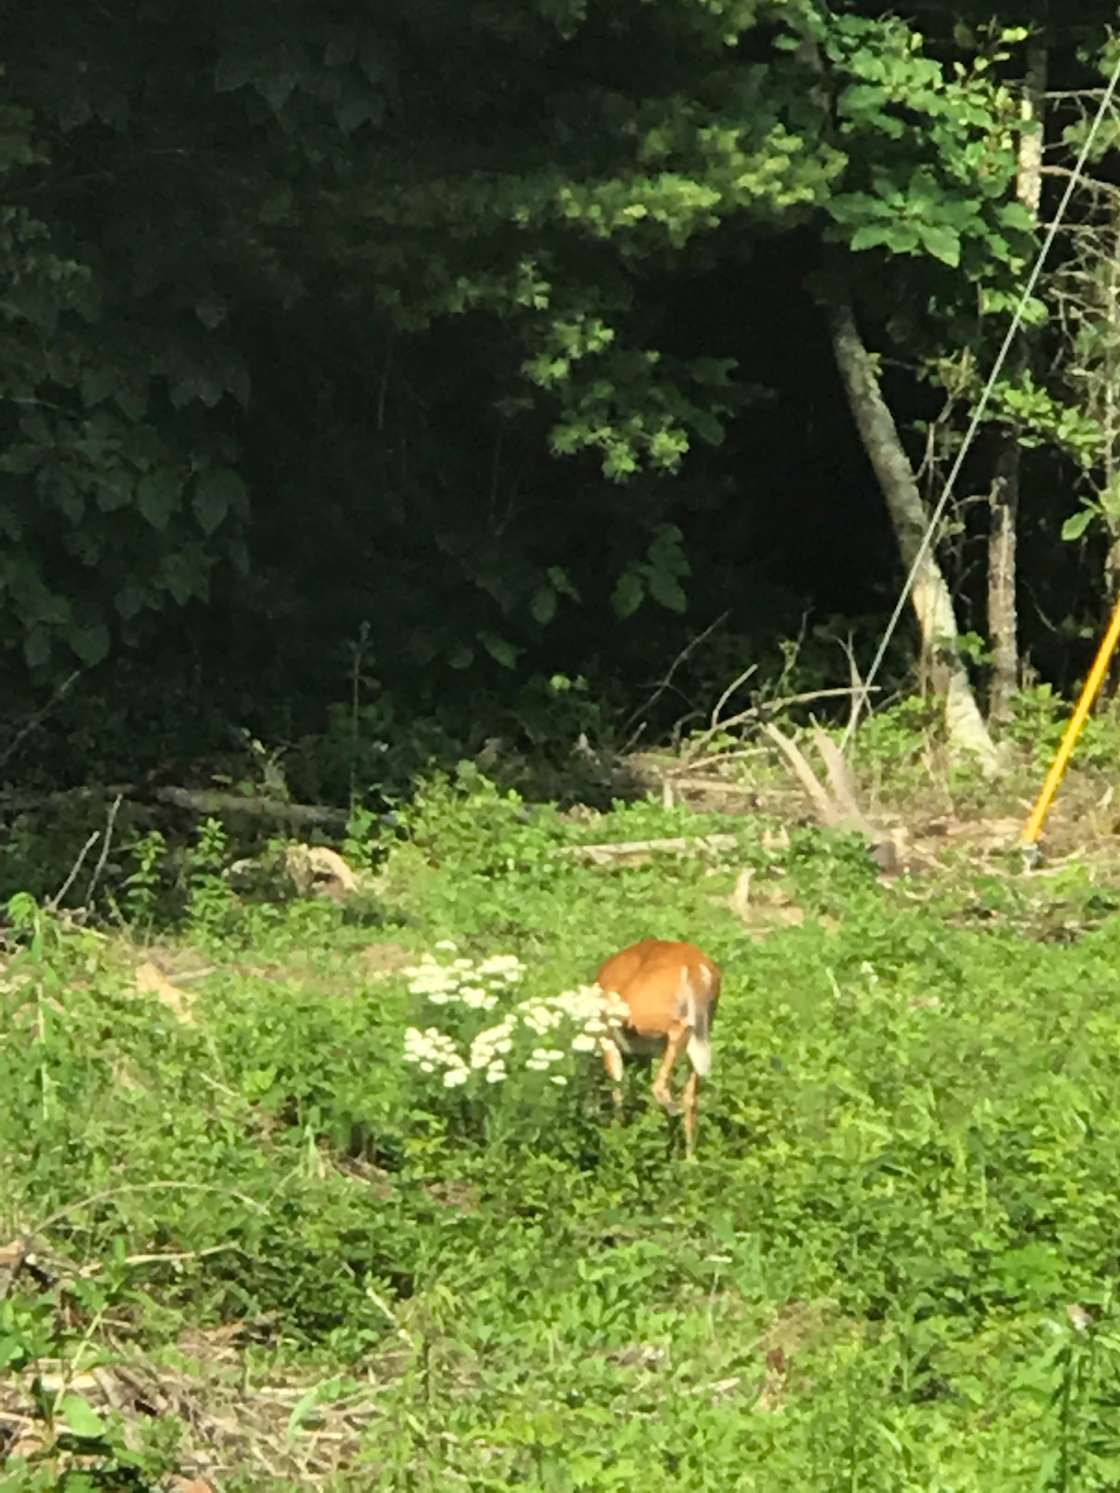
pixel 907 1174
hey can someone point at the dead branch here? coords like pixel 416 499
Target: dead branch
pixel 39 717
pixel 602 855
pixel 164 1257
pixel 52 903
pixel 106 841
pixel 764 707
pixel 205 801
pixel 839 808
pixel 711 785
pixel 840 780
pixel 739 679
pixel 826 811
pixel 664 684
pixel 1092 184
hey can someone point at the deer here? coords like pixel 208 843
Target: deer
pixel 671 991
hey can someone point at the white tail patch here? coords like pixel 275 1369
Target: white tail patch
pixel 699 1047
pixel 700 1054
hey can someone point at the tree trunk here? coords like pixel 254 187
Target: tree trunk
pixel 1003 619
pixel 1111 417
pixel 930 596
pixel 1003 624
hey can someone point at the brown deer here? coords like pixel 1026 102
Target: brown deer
pixel 671 991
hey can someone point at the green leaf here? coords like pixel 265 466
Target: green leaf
pixel 215 493
pixel 629 593
pixel 157 496
pixel 130 600
pixel 1015 215
pixel 81 1417
pixel 560 579
pixel 182 575
pixel 317 1395
pixel 354 108
pixel 870 236
pixel 91 644
pixel 499 649
pixel 232 70
pixel 665 551
pixel 115 490
pixel 461 656
pixel 131 401
pixel 902 238
pixel 36 647
pixel 276 88
pixel 1110 500
pixel 1077 523
pixel 211 310
pixel 96 386
pixel 302 1409
pixel 942 243
pixel 667 590
pixel 543 605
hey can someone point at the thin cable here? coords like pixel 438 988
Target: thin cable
pixel 860 700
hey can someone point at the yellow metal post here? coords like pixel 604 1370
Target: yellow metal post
pixel 1090 690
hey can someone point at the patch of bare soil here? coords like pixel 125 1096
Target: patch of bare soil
pixel 377 961
pixel 385 959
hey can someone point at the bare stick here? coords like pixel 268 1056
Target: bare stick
pixel 106 841
pixel 839 778
pixel 742 678
pixel 40 716
pixel 665 683
pixel 855 679
pixel 177 1257
pixel 827 812
pixel 52 903
pixel 769 706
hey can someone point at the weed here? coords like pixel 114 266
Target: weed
pixel 142 884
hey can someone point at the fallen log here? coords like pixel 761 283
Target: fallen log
pixel 206 801
pixel 621 850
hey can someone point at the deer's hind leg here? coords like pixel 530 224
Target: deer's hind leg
pixel 675 1043
pixel 691 1105
pixel 612 1061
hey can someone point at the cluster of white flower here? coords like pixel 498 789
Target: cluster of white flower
pixel 431 1049
pixel 489 1050
pixel 586 1007
pixel 463 983
pixel 591 1013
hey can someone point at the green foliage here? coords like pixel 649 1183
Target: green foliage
pixel 885 1266
pixel 209 900
pixel 1038 418
pixel 510 278
pixel 141 886
pixel 659 575
pixel 938 189
pixel 1039 722
pixel 464 820
pixel 108 501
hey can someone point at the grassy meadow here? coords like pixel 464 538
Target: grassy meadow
pixel 246 1244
